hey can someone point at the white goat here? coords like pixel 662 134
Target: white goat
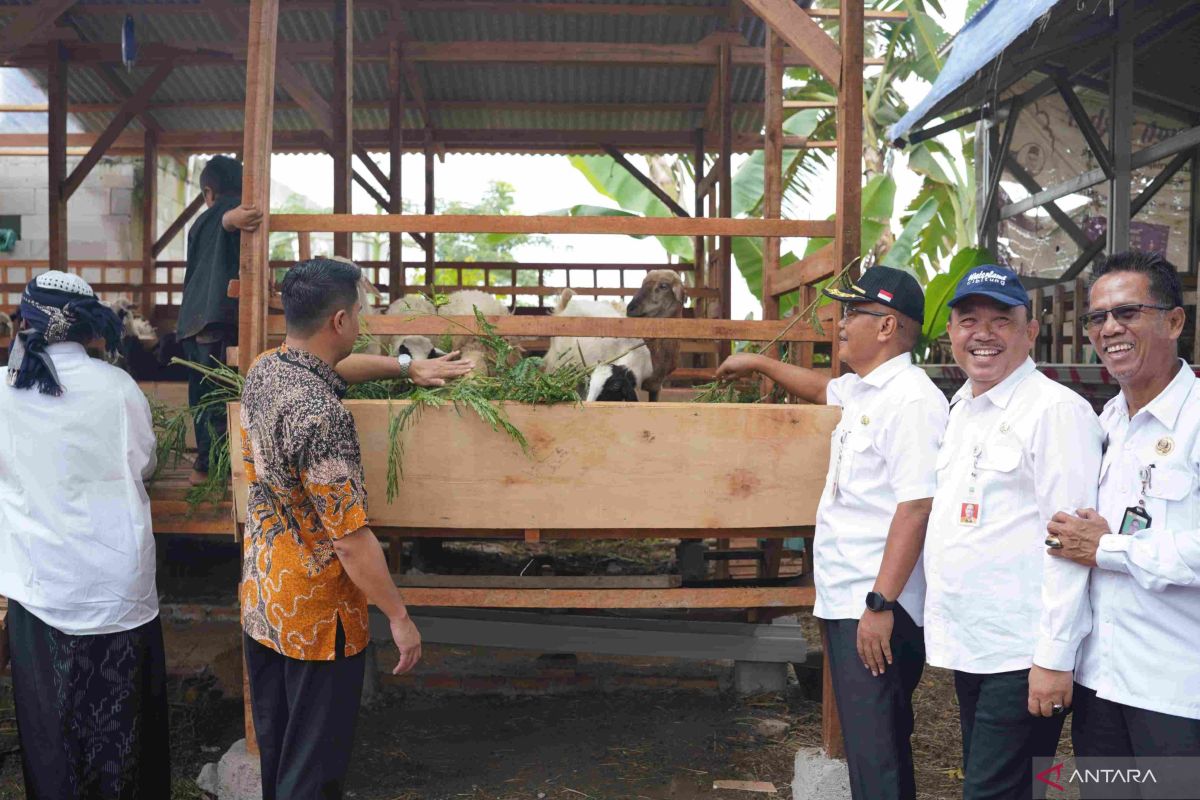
pixel 621 379
pixel 6 325
pixel 586 351
pixel 459 304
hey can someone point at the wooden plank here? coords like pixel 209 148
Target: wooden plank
pixel 343 116
pixel 697 210
pixel 176 227
pixel 57 140
pixel 538 581
pixel 804 272
pixel 772 176
pixel 30 24
pixel 256 178
pixel 1078 303
pixel 370 189
pixel 848 239
pixel 149 219
pixel 747 466
pixel 430 208
pixel 396 110
pixel 832 740
pixel 129 109
pixel 476 223
pixel 642 328
pixel 725 182
pixel 656 190
pixel 774 597
pixel 798 29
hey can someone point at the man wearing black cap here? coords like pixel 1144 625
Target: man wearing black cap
pixel 1007 618
pixel 871 520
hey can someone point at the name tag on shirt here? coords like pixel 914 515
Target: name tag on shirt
pixel 1135 519
pixel 969 512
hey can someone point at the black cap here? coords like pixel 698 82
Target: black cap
pixel 887 286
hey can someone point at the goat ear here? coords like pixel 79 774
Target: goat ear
pixel 679 292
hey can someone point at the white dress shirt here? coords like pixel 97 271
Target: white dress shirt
pixel 76 546
pixel 883 453
pixel 996 602
pixel 1144 645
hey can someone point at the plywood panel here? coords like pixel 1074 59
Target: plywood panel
pixel 599 465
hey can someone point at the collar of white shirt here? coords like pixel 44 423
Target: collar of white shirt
pixel 1169 402
pixel 1002 392
pixel 66 350
pixel 889 369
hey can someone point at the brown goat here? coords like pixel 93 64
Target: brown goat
pixel 660 297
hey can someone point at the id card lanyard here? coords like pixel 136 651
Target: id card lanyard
pixel 837 467
pixel 970 510
pixel 1137 518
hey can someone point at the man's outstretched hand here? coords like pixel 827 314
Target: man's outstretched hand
pixel 436 371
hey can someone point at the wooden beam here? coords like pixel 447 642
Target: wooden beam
pixel 805 272
pixel 798 29
pixel 370 189
pixel 343 117
pixel 772 172
pixel 656 190
pixel 430 207
pixel 605 327
pixel 149 219
pixel 848 213
pixel 253 273
pixel 178 225
pixel 398 31
pixel 30 23
pixel 1121 134
pixel 725 185
pixel 396 98
pixel 434 105
pixel 129 109
pixel 475 223
pixel 56 142
pixel 365 157
pixel 698 208
pixel 778 597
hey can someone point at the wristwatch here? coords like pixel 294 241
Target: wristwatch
pixel 877 602
pixel 405 361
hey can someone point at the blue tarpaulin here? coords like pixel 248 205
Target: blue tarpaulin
pixel 983 38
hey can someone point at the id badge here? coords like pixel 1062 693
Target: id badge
pixel 1135 519
pixel 969 512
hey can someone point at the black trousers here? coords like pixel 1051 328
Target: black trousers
pixel 876 712
pixel 91 711
pixel 1000 737
pixel 1104 729
pixel 203 348
pixel 304 715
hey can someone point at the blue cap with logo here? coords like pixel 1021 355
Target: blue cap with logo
pixel 998 283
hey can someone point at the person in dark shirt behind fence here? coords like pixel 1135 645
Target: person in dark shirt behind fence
pixel 208 316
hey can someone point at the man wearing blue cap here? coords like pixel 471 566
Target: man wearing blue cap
pixel 871 520
pixel 1007 618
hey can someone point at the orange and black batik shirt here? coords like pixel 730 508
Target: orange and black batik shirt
pixel 306 491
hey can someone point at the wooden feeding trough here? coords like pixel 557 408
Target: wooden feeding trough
pixel 602 471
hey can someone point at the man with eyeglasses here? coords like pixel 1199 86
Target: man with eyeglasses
pixel 871 520
pixel 1004 616
pixel 1137 687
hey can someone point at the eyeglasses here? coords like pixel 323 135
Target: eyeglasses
pixel 850 312
pixel 1124 315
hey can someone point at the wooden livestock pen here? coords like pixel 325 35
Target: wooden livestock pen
pixel 703 78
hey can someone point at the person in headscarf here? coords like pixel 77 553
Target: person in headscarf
pixel 77 556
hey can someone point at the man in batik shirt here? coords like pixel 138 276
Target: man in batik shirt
pixel 310 563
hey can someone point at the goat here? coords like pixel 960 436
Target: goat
pixel 6 326
pixel 587 351
pixel 661 297
pixel 459 304
pixel 621 379
pixel 137 351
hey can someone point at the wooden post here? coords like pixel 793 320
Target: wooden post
pixel 56 156
pixel 831 724
pixel 847 241
pixel 1058 320
pixel 396 277
pixel 1194 259
pixel 1037 296
pixel 430 198
pixel 772 173
pixel 725 112
pixel 149 217
pixel 343 117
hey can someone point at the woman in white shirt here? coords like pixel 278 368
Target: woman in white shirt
pixel 77 556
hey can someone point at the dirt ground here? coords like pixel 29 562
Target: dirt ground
pixel 605 729
pixel 615 745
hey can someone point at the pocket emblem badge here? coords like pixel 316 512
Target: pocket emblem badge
pixel 866 420
pixel 1165 445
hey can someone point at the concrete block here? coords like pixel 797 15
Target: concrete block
pixel 113 175
pixel 758 677
pixel 120 201
pixel 88 200
pixel 41 203
pixel 237 776
pixel 96 251
pixel 35 227
pixel 38 248
pixel 18 201
pixel 819 778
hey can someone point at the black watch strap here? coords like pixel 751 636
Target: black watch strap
pixel 877 602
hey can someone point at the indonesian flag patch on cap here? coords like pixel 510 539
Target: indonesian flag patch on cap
pixel 885 295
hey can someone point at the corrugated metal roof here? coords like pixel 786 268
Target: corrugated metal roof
pixel 541 83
